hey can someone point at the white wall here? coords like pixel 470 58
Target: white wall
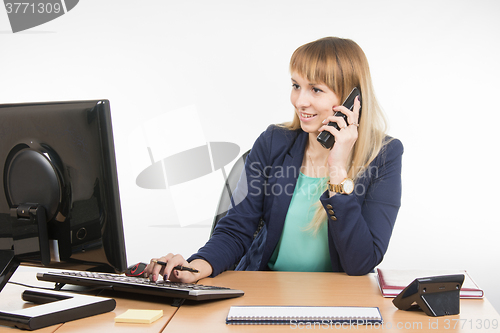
pixel 434 65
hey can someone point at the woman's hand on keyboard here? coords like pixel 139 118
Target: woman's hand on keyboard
pixel 164 266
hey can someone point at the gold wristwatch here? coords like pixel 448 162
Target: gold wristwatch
pixel 345 187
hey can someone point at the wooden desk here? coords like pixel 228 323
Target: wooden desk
pixel 10 299
pixel 321 289
pixel 262 288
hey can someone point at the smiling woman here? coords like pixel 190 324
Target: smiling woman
pixel 315 216
pixel 312 101
pixel 329 80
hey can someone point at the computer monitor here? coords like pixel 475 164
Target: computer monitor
pixel 59 196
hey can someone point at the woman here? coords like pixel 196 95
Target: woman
pixel 300 190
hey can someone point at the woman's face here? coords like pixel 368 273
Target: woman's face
pixel 313 102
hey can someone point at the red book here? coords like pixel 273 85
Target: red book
pixel 392 281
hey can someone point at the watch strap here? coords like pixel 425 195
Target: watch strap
pixel 337 188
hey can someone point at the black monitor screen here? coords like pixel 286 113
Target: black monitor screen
pixel 59 197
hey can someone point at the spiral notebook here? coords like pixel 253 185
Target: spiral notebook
pixel 290 315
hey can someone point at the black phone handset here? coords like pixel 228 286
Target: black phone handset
pixel 326 138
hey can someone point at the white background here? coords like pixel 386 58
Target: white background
pixel 435 69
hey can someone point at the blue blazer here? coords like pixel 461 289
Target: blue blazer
pixel 358 230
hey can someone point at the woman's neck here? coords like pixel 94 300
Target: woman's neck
pixel 315 149
pixel 315 159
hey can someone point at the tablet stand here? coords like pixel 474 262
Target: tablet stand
pixel 56 307
pixel 436 296
pixel 26 238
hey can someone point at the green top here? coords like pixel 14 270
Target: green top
pixel 301 250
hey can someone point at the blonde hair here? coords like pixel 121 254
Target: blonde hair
pixel 342 65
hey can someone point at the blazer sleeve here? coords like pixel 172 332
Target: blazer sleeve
pixel 360 231
pixel 234 232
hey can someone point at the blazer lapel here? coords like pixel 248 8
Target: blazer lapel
pixel 284 188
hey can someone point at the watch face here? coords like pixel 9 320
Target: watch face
pixel 348 186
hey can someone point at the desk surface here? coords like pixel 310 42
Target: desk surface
pixel 264 288
pixel 322 289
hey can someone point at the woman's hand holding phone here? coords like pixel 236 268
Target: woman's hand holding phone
pixel 345 137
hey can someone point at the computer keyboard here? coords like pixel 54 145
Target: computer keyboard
pixel 140 285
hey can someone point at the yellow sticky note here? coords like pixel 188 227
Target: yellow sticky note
pixel 139 316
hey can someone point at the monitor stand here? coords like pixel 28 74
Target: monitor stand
pixel 23 235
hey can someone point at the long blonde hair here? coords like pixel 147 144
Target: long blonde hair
pixel 342 65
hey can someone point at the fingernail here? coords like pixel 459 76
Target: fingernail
pixel 323 121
